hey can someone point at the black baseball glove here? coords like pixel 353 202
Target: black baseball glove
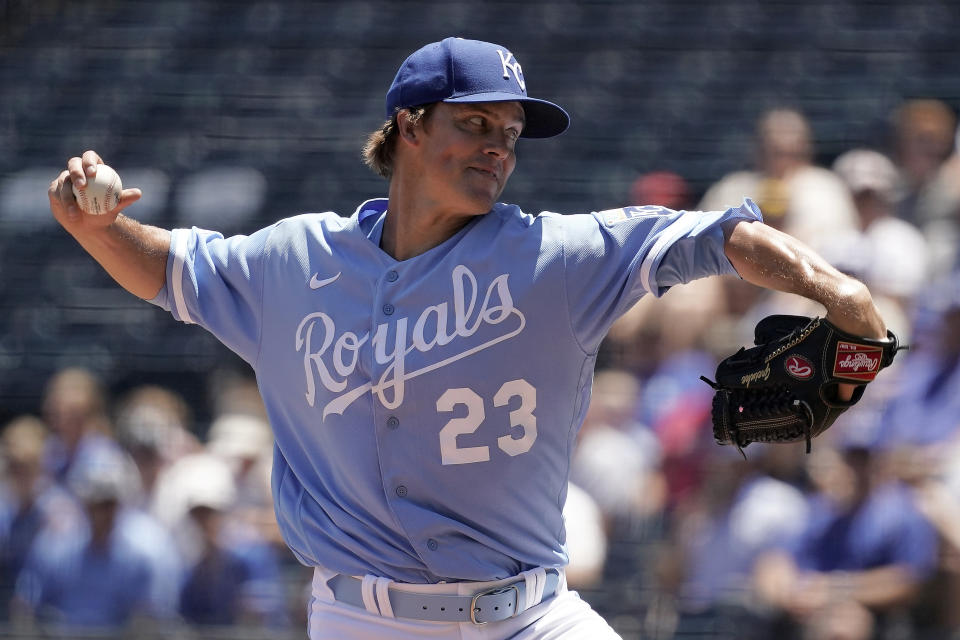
pixel 785 388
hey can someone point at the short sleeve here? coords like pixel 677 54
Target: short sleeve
pixel 217 282
pixel 612 258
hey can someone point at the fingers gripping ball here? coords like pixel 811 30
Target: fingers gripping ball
pixel 785 388
pixel 102 192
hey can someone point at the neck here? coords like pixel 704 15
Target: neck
pixel 414 224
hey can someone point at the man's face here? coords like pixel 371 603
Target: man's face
pixel 468 153
pixel 102 514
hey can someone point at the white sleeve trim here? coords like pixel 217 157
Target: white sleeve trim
pixel 679 227
pixel 179 239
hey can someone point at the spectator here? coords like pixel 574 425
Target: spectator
pixel 245 443
pixel 863 557
pixel 233 392
pixel 616 460
pixel 31 503
pixel 102 575
pixel 153 425
pixel 211 593
pixel 925 151
pixel 677 405
pixel 234 574
pixel 738 513
pixel 888 254
pixel 923 131
pixel 75 410
pixel 662 188
pixel 615 496
pixel 925 412
pixel 938 497
pixel 804 200
pixel 586 539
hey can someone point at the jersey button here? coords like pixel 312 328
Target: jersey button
pixel 432 544
pixel 388 309
pixel 393 422
pixel 392 276
pixel 402 491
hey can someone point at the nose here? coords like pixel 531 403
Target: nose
pixel 499 144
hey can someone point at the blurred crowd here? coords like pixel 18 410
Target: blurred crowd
pixel 122 511
pixel 117 515
pixel 857 540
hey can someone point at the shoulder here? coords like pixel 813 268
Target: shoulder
pixel 56 551
pixel 60 508
pixel 509 223
pixel 511 215
pixel 142 530
pixel 820 509
pixel 551 231
pixel 139 541
pixel 306 228
pixel 325 222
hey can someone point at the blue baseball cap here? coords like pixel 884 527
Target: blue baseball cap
pixel 458 70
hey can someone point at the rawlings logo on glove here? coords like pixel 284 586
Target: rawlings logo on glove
pixel 799 367
pixel 785 388
pixel 857 362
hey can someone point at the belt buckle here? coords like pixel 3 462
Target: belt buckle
pixel 496 591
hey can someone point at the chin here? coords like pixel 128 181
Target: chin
pixel 478 206
pixel 479 199
pixel 484 210
pixel 486 200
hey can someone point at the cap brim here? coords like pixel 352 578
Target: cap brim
pixel 544 119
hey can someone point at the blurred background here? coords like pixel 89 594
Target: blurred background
pixel 838 117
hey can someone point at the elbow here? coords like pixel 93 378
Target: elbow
pixel 856 292
pixel 846 292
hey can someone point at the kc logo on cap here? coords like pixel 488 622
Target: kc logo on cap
pixel 460 70
pixel 515 67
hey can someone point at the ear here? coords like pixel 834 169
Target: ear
pixel 407 130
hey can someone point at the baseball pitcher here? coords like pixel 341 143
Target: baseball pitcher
pixel 426 362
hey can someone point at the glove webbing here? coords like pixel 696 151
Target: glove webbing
pixel 765 415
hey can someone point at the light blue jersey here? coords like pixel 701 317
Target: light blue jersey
pixel 425 410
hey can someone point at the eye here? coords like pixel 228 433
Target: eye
pixel 513 134
pixel 476 121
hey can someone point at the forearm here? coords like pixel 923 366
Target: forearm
pixel 879 588
pixel 134 254
pixel 775 576
pixel 779 582
pixel 768 258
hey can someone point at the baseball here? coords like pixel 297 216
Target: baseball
pixel 102 192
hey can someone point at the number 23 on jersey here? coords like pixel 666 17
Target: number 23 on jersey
pixel 522 422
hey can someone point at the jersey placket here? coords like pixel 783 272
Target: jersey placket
pixel 390 422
